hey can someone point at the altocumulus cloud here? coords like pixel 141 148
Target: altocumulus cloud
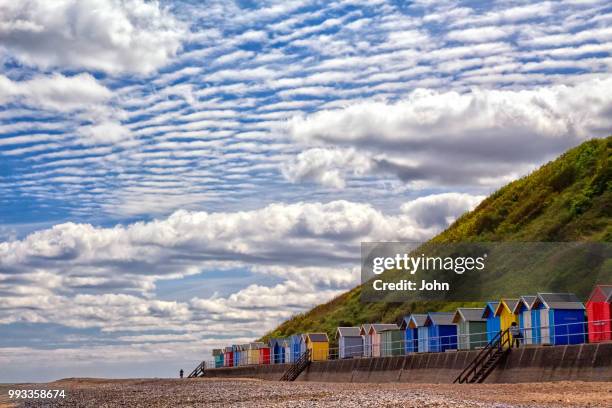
pixel 430 136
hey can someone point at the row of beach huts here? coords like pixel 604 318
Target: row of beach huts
pixel 543 319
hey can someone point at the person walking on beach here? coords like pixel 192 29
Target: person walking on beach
pixel 181 373
pixel 515 331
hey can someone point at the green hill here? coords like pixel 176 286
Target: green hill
pixel 568 199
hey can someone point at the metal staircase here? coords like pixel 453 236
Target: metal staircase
pixel 482 365
pixel 198 371
pixel 296 368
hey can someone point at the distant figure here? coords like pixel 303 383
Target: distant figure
pixel 515 331
pixel 181 373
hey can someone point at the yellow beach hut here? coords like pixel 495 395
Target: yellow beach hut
pixel 253 353
pixel 318 345
pixel 505 311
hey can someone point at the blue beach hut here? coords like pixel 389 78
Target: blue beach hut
pixel 410 325
pixel 236 354
pixel 558 318
pixel 523 311
pixel 277 351
pixel 442 331
pixel 295 347
pixel 493 322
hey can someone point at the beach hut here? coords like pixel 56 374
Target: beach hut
pixel 375 336
pixel 264 354
pixel 392 342
pixel 303 346
pixel 471 328
pixel 318 345
pixel 493 326
pixel 523 311
pixel 253 352
pixel 244 354
pixel 350 342
pixel 286 350
pixel 411 325
pixel 558 318
pixel 218 356
pixel 228 358
pixel 295 348
pixel 505 312
pixel 277 351
pixel 599 312
pixel 442 331
pixel 364 331
pixel 236 351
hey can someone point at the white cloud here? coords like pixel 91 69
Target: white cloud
pixel 430 135
pixel 312 248
pixel 325 166
pixel 108 35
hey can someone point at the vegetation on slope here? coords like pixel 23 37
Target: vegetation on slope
pixel 568 199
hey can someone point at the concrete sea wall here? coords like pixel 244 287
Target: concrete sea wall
pixel 584 362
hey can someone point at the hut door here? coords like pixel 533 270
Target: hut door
pixel 527 332
pixel 545 324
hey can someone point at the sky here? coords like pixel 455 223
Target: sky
pixel 177 176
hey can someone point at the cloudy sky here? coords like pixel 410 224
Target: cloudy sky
pixel 177 176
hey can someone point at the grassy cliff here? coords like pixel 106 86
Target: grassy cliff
pixel 568 199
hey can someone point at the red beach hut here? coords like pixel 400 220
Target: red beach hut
pixel 599 313
pixel 229 357
pixel 264 355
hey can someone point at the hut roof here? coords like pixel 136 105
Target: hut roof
pixel 364 329
pixel 468 314
pixel 489 309
pixel 378 327
pixel 295 338
pixel 414 320
pixel 526 301
pixel 228 349
pixel 559 301
pixel 601 293
pixel 348 332
pixel 256 345
pixel 217 352
pixel 317 337
pixel 439 318
pixel 509 304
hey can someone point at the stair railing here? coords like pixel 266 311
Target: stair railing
pixel 198 371
pixel 296 368
pixel 500 342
